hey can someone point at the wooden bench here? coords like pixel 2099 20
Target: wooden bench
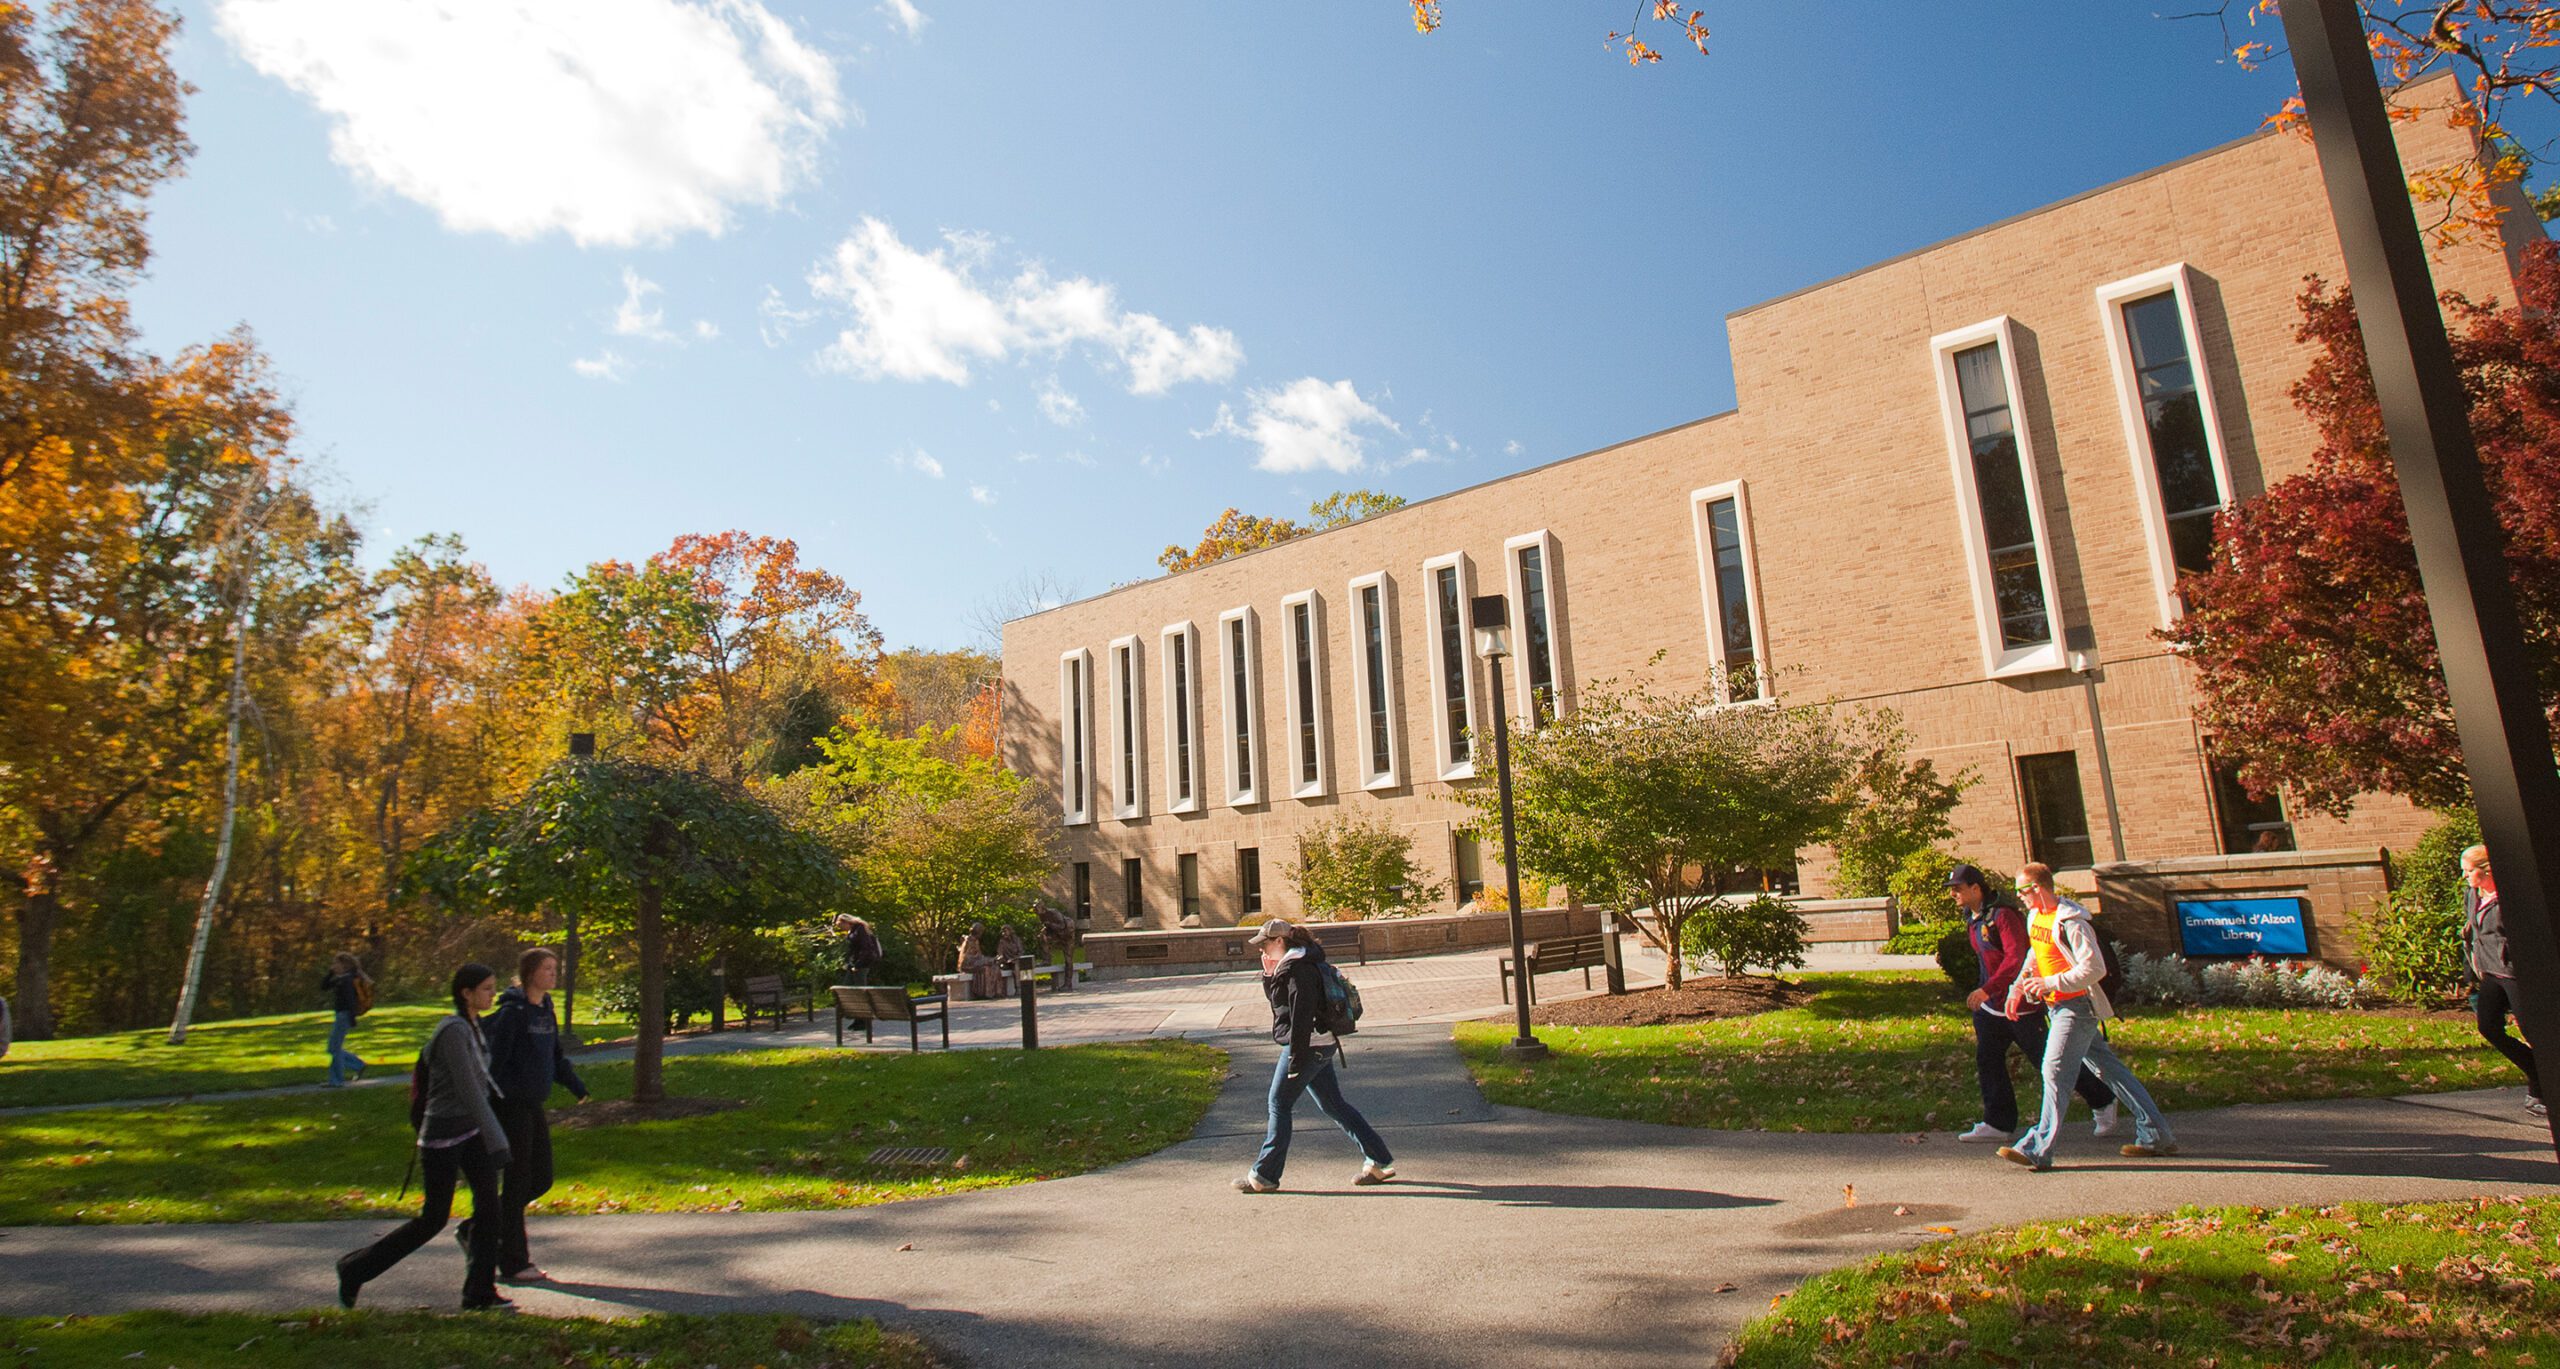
pixel 770 995
pixel 1340 939
pixel 867 1003
pixel 1582 953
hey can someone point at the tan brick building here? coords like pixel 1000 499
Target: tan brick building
pixel 1956 483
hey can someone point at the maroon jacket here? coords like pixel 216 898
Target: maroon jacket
pixel 1999 933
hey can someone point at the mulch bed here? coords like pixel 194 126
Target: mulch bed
pixel 616 1111
pixel 1697 1000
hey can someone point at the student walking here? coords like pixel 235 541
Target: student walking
pixel 526 1057
pixel 459 1138
pixel 2493 975
pixel 1998 931
pixel 2065 966
pixel 350 992
pixel 1293 968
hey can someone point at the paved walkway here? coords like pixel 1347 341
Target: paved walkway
pixel 1513 1238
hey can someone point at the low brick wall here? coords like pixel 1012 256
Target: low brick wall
pixel 1828 921
pixel 1205 950
pixel 2136 895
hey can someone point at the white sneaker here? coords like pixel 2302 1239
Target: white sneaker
pixel 1255 1183
pixel 1373 1174
pixel 2109 1118
pixel 1983 1131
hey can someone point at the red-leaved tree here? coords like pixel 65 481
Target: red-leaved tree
pixel 2314 655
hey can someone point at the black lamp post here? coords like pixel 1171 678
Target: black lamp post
pixel 1491 617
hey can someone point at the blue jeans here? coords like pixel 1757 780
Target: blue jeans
pixel 340 1058
pixel 2072 1038
pixel 1318 1079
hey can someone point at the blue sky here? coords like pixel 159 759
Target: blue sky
pixel 954 294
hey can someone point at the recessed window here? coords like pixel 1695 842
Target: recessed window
pixel 1181 651
pixel 2248 824
pixel 2170 424
pixel 1133 887
pixel 1084 891
pixel 2057 819
pixel 1302 627
pixel 1075 741
pixel 1536 596
pixel 1239 669
pixel 1373 635
pixel 1722 514
pixel 1249 880
pixel 2000 505
pixel 1128 729
pixel 1189 866
pixel 1453 703
pixel 1466 865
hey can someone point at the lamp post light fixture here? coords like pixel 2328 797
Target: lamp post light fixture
pixel 1490 615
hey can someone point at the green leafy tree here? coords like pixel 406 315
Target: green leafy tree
pixel 1355 867
pixel 640 846
pixel 1651 797
pixel 2413 939
pixel 1903 806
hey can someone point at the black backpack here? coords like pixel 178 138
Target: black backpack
pixel 2112 982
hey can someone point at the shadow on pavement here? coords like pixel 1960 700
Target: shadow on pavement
pixel 1598 1196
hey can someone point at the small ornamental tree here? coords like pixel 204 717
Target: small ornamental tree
pixel 1644 797
pixel 1359 867
pixel 2315 658
pixel 639 846
pixel 1904 807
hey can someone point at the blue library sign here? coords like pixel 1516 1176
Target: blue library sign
pixel 2242 926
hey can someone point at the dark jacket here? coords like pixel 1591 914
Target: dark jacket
pixel 1999 934
pixel 861 950
pixel 525 1054
pixel 341 989
pixel 2484 926
pixel 1297 998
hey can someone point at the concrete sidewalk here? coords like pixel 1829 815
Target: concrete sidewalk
pixel 1512 1238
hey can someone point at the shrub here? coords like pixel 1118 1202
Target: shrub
pixel 1920 938
pixel 1764 930
pixel 1354 868
pixel 2162 979
pixel 1957 961
pixel 2261 983
pixel 1920 886
pixel 1903 808
pixel 2412 940
pixel 691 992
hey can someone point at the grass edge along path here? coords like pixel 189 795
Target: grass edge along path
pixel 2356 1284
pixel 802 1143
pixel 223 1057
pixel 332 1339
pixel 1892 1051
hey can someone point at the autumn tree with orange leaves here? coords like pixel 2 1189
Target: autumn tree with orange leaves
pixel 1235 532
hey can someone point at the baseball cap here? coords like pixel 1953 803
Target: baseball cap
pixel 1966 874
pixel 1273 930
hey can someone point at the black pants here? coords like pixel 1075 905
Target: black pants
pixel 528 1177
pixel 2493 1002
pixel 1993 1035
pixel 443 1165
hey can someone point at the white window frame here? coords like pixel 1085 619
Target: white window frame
pixel 2175 279
pixel 1247 795
pixel 1545 542
pixel 1318 687
pixel 1173 724
pixel 1700 501
pixel 1128 729
pixel 1393 776
pixel 1998 662
pixel 1456 560
pixel 1075 687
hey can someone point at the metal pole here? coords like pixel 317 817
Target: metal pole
pixel 2453 524
pixel 1030 1003
pixel 2106 770
pixel 1523 1046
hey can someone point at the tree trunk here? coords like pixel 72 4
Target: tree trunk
pixel 569 971
pixel 222 846
pixel 648 1073
pixel 32 1013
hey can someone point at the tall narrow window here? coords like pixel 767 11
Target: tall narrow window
pixel 2170 424
pixel 1373 634
pixel 1129 766
pixel 2248 824
pixel 2007 560
pixel 1453 707
pixel 1133 890
pixel 1241 665
pixel 1309 747
pixel 1084 891
pixel 1182 716
pixel 1249 880
pixel 1189 866
pixel 1075 742
pixel 1722 514
pixel 1466 864
pixel 1536 594
pixel 2057 819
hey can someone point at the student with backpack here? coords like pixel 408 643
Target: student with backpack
pixel 458 1138
pixel 1308 995
pixel 526 1057
pixel 1998 930
pixel 350 992
pixel 2066 971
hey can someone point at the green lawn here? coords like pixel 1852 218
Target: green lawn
pixel 1893 1052
pixel 334 1340
pixel 219 1057
pixel 2418 1284
pixel 814 1116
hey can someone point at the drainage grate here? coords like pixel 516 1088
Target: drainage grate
pixel 911 1155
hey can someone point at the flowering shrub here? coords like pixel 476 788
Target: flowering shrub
pixel 2253 983
pixel 2160 979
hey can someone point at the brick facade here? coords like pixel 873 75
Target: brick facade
pixel 1866 582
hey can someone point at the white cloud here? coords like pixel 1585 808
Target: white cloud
pixel 605 365
pixel 610 121
pixel 1513 447
pixel 918 462
pixel 1304 426
pixel 636 316
pixel 982 494
pixel 926 315
pixel 776 320
pixel 1058 406
pixel 905 15
pixel 704 330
